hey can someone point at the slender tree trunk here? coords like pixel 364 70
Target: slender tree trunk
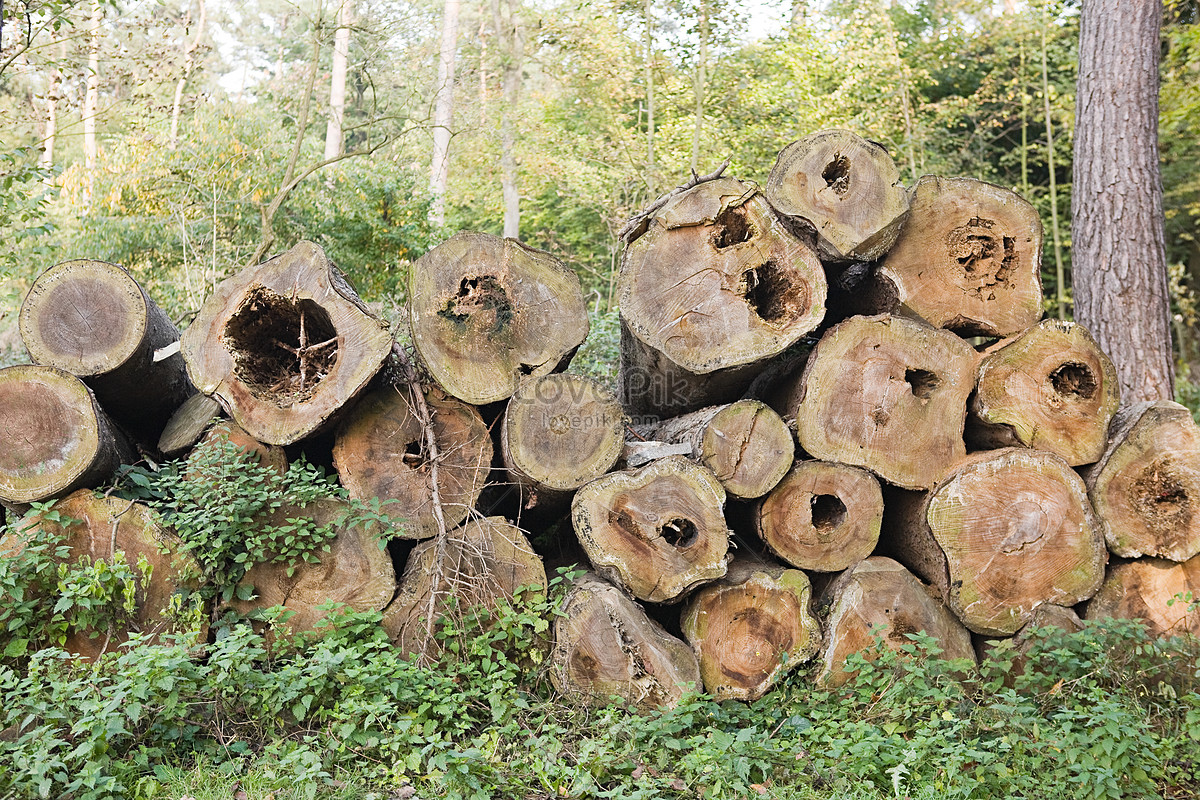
pixel 649 99
pixel 510 37
pixel 1059 278
pixel 337 88
pixel 443 113
pixel 701 67
pixel 91 103
pixel 1119 262
pixel 188 65
pixel 483 70
pixel 46 159
pixel 1024 127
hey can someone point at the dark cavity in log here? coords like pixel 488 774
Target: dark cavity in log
pixel 828 512
pixel 837 174
pixel 1161 499
pixel 771 293
pixel 1074 378
pixel 732 228
pixel 922 382
pixel 477 295
pixel 679 532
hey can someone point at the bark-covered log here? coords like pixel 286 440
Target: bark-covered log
pixel 745 444
pixel 92 319
pixel 54 437
pixel 879 597
pixel 284 346
pixel 1163 593
pixel 606 646
pixel 715 284
pixel 842 187
pixel 1007 531
pixel 380 453
pixel 968 258
pixel 751 628
pixel 822 516
pixel 188 424
pixel 889 394
pixel 1050 389
pixel 480 565
pixel 97 527
pixel 658 531
pixel 560 432
pixel 354 574
pixel 487 312
pixel 1146 485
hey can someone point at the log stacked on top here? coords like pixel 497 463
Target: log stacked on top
pixel 757 444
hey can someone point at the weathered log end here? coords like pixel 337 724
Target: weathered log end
pixel 1160 592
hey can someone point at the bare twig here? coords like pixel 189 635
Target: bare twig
pixel 640 218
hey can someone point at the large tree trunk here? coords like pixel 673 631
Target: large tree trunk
pixel 606 646
pixel 1051 389
pixel 285 345
pixel 54 437
pixel 337 81
pixel 1162 593
pixel 751 628
pixel 1146 486
pixel 1118 252
pixel 487 312
pixel 443 113
pixel 658 531
pixel 95 321
pixel 888 394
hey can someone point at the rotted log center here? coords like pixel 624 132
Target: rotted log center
pixel 679 532
pixel 983 253
pixel 773 294
pixel 731 227
pixel 483 298
pixel 1161 498
pixel 837 174
pixel 282 348
pixel 1074 380
pixel 828 512
pixel 922 382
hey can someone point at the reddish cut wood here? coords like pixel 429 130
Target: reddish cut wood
pixel 968 258
pixel 1153 590
pixel 285 345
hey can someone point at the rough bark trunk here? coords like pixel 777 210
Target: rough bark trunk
pixel 337 81
pixel 1118 252
pixel 443 113
pixel 1162 593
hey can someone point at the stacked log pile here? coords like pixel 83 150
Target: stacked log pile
pixel 838 418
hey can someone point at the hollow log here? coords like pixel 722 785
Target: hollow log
pixel 97 527
pixel 844 189
pixel 745 444
pixel 284 346
pixel 1007 531
pixel 560 432
pixel 657 531
pixel 714 284
pixel 92 319
pixel 968 258
pixel 822 517
pixel 751 628
pixel 54 437
pixel 879 597
pixel 354 574
pixel 380 452
pixel 606 646
pixel 488 312
pixel 188 424
pixel 1051 389
pixel 480 565
pixel 889 394
pixel 1146 486
pixel 1160 592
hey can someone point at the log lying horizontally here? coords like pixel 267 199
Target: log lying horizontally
pixel 285 345
pixel 605 646
pixel 1162 593
pixel 487 312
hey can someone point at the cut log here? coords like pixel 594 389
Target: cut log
pixel 751 628
pixel 822 516
pixel 657 531
pixel 1050 389
pixel 479 566
pixel 1045 616
pixel 188 424
pixel 605 646
pixel 560 432
pixel 97 527
pixel 1163 593
pixel 968 258
pixel 844 189
pixel 54 437
pixel 745 444
pixel 1146 486
pixel 380 453
pixel 92 319
pixel 715 284
pixel 889 394
pixel 228 433
pixel 285 345
pixel 487 312
pixel 1006 532
pixel 354 574
pixel 879 597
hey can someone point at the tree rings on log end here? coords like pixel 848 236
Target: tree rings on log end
pixel 1153 590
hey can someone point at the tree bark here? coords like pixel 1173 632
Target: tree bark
pixel 443 113
pixel 337 81
pixel 658 531
pixel 488 312
pixel 1118 252
pixel 1162 593
pixel 285 346
pixel 606 646
pixel 751 628
pixel 1146 486
pixel 844 190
